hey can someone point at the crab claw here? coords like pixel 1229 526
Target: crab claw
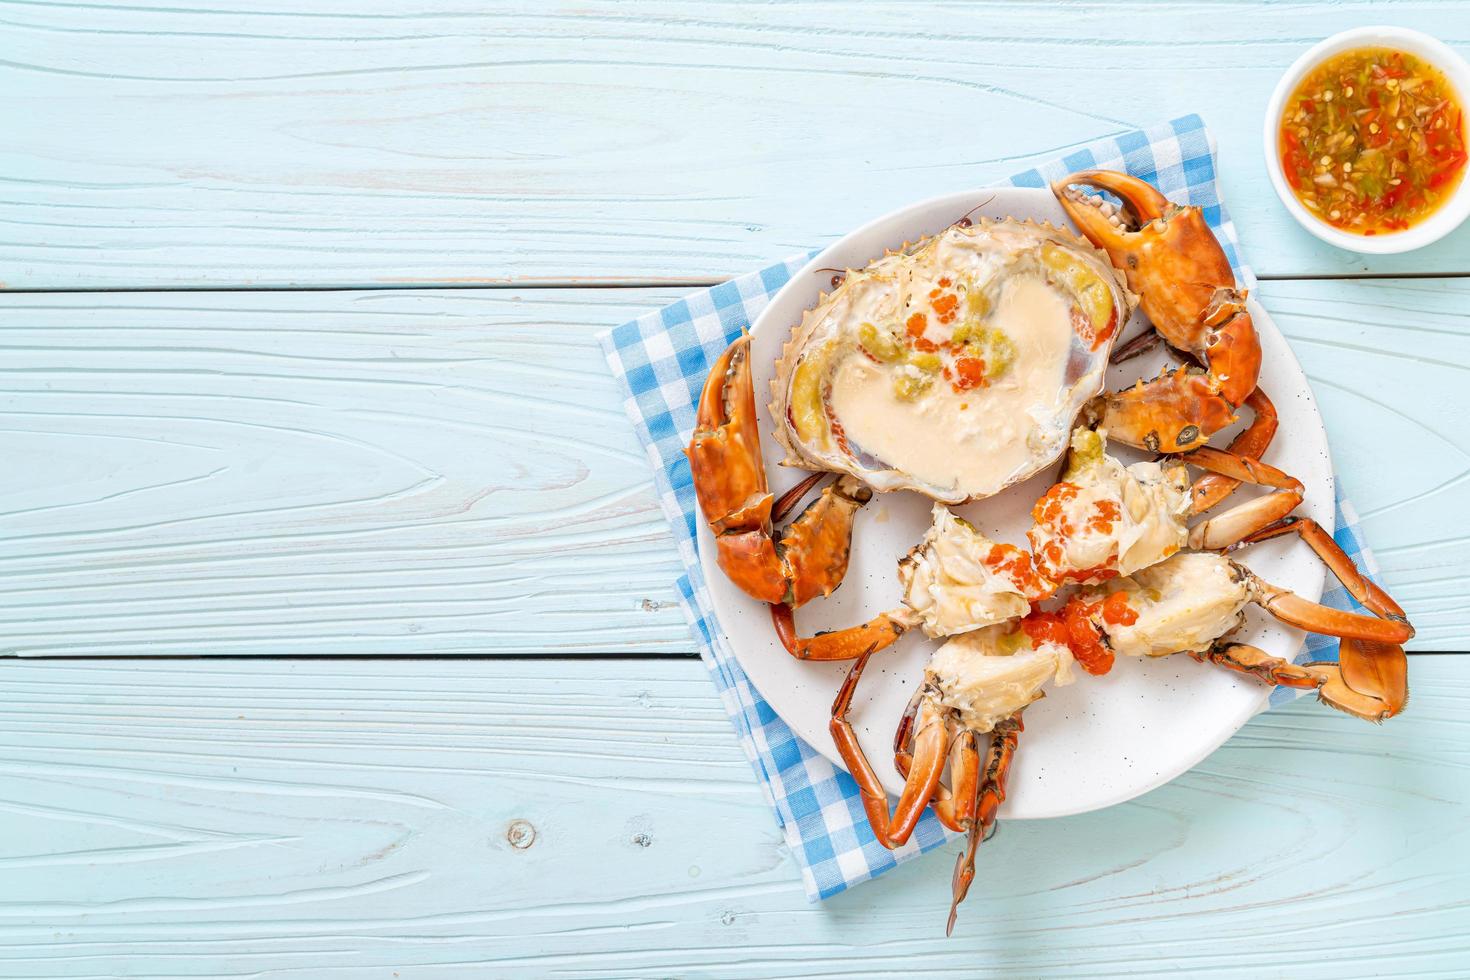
pixel 730 480
pixel 1170 255
pixel 1104 224
pixel 1186 288
pixel 724 454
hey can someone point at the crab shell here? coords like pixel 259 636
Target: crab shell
pixel 990 282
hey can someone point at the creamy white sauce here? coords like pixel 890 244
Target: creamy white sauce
pixel 1184 605
pixel 854 422
pixel 972 441
pixel 984 686
pixel 947 582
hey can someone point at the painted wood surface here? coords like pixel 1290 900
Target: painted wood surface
pixel 470 818
pixel 405 472
pixel 400 471
pixel 386 142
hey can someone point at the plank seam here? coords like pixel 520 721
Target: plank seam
pixel 664 283
pixel 398 657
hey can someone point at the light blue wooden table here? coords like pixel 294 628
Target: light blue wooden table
pixel 339 605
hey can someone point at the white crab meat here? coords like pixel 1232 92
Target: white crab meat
pixel 958 580
pixel 1183 605
pixel 990 674
pixel 1106 519
pixel 954 367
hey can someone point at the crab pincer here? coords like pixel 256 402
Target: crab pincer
pixel 809 558
pixel 1187 289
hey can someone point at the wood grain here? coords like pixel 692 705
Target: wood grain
pixel 406 473
pixel 325 473
pixel 390 143
pixel 274 819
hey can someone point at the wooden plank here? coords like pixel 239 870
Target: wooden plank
pixel 304 142
pixel 449 818
pixel 325 473
pixel 1388 363
pixel 404 472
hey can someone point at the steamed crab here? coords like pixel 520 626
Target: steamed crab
pixel 957 367
pixel 1150 592
pixel 953 367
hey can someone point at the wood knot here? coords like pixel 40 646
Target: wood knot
pixel 520 834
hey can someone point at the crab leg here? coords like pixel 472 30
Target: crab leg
pixel 730 483
pixel 846 644
pixel 1242 520
pixel 991 793
pixel 1332 555
pixel 1325 678
pixel 1291 608
pixel 1245 659
pixel 1252 442
pixel 1377 670
pixel 954 807
pixel 931 744
pixel 787 502
pixel 1373 665
pixel 1375 674
pixel 1135 346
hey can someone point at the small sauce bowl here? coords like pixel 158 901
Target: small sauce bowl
pixel 1443 221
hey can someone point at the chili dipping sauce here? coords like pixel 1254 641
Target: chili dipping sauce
pixel 1372 140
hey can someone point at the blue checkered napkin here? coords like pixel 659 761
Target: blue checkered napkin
pixel 662 359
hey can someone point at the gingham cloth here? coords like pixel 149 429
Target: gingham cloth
pixel 661 360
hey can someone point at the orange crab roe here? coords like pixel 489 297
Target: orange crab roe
pixel 1046 627
pixel 1050 516
pixel 946 305
pixel 969 372
pixel 1117 612
pixel 1017 564
pixel 1086 643
pixel 1072 629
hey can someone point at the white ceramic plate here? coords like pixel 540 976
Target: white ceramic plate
pixel 1100 741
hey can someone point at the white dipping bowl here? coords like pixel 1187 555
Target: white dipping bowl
pixel 1450 214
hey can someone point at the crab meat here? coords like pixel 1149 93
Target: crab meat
pixel 959 580
pixel 1182 605
pixel 954 367
pixel 990 674
pixel 1105 519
